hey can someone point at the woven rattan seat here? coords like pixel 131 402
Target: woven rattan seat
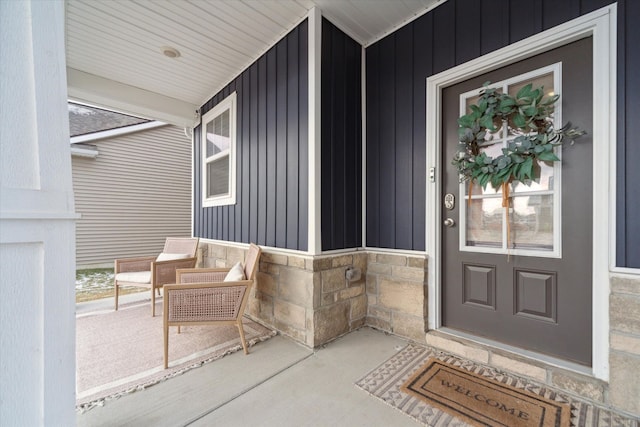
pixel 202 297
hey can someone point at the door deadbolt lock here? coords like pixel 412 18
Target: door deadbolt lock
pixel 449 222
pixel 449 201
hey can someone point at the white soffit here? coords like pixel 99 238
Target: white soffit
pixel 120 43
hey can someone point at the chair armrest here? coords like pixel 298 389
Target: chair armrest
pixel 201 275
pixel 163 272
pixel 183 286
pixel 125 265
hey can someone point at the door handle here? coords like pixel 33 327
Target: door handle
pixel 449 222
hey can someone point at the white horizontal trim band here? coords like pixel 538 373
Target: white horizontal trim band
pixel 16 215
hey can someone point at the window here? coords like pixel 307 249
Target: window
pixel 218 154
pixel 533 223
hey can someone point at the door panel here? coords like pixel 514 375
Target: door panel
pixel 538 302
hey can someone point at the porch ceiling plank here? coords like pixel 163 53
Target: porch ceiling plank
pixel 148 25
pixel 119 42
pixel 215 29
pixel 350 17
pixel 366 20
pixel 186 90
pixel 238 18
pixel 369 18
pixel 112 53
pixel 95 31
pixel 279 11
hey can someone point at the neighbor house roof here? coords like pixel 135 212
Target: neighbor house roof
pixel 84 119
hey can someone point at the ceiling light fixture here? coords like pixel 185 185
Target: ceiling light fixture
pixel 170 52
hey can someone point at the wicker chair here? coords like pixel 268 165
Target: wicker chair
pixel 203 297
pixel 154 272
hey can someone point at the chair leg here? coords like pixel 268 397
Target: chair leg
pixel 115 285
pixel 166 343
pixel 244 342
pixel 153 302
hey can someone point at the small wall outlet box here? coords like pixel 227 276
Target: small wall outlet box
pixel 352 274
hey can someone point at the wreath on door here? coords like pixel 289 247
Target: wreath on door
pixel 528 115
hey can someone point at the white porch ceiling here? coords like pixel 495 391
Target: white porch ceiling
pixel 114 48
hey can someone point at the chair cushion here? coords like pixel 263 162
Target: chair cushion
pixel 236 273
pixel 170 257
pixel 134 277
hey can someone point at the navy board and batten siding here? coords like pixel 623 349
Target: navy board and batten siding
pixel 451 34
pixel 272 157
pixel 628 127
pixel 272 152
pixel 341 148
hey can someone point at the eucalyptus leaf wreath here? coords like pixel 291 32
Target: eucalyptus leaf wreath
pixel 529 116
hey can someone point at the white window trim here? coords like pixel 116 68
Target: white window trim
pixel 601 25
pixel 229 103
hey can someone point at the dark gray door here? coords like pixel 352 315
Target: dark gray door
pixel 533 288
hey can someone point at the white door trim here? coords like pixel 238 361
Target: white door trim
pixel 601 25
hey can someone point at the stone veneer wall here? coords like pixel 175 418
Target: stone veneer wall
pixel 397 294
pixel 624 358
pixel 342 304
pixel 305 298
pixel 310 300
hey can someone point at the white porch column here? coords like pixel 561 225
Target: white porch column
pixel 37 219
pixel 315 141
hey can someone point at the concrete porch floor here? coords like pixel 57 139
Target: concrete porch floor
pixel 280 383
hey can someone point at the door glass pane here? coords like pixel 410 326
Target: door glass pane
pixel 531 222
pixel 477 189
pixel 544 182
pixel 490 136
pixel 544 170
pixel 484 222
pixel 545 80
pixel 494 151
pixel 218 177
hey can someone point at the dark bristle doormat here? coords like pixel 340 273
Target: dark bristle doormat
pixel 481 401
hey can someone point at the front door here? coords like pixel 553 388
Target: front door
pixel 522 276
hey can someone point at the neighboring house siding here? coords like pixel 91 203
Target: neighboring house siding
pixel 272 152
pixel 453 33
pixel 341 164
pixel 134 194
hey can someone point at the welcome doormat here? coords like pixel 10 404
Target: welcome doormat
pixel 385 383
pixel 481 401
